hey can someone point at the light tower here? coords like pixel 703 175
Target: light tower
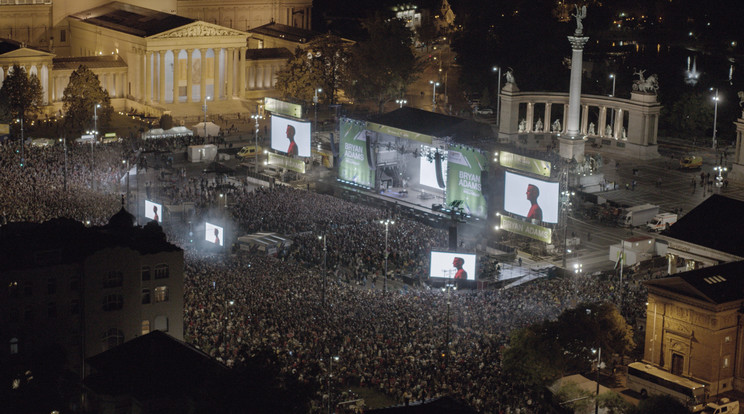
pixel 572 143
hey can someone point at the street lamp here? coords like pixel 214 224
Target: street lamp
pixel 720 169
pixel 715 116
pixel 566 207
pixel 498 96
pixel 256 117
pixel 597 351
pixel 315 104
pixel 322 296
pixel 612 116
pixel 401 102
pixel 330 374
pixel 387 223
pixel 205 116
pixel 23 160
pixel 434 85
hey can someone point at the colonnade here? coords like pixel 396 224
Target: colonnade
pixel 598 129
pixel 191 75
pixel 41 69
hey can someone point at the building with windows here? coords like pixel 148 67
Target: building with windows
pixel 153 57
pixel 695 325
pixel 84 290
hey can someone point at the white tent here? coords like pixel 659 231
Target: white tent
pixel 180 130
pixel 154 133
pixel 212 129
pixel 173 132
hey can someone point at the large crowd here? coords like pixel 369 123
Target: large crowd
pixel 410 344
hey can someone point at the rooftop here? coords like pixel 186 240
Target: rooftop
pixel 282 31
pixel 92 62
pixel 715 284
pixel 133 20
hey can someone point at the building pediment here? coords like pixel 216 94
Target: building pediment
pixel 26 53
pixel 199 30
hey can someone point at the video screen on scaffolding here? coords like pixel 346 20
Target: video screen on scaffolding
pixel 531 198
pixel 214 234
pixel 154 211
pixel 452 265
pixel 290 136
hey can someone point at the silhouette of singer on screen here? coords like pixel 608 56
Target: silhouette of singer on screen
pixel 155 210
pixel 461 274
pixel 535 212
pixel 292 149
pixel 216 236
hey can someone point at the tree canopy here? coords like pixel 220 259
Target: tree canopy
pixel 80 97
pixel 21 94
pixel 383 65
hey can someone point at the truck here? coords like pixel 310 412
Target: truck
pixel 638 215
pixel 722 406
pixel 662 221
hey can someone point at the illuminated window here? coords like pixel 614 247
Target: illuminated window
pixel 114 279
pixel 161 294
pixel 145 327
pixel 111 338
pixel 726 359
pixel 162 271
pixel 113 302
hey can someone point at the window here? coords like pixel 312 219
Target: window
pixel 145 272
pixel 145 327
pixel 62 36
pixel 146 296
pixel 726 360
pixel 161 294
pixel 28 314
pixel 162 271
pixel 13 346
pixel 51 286
pixel 13 290
pixel 75 307
pixel 52 310
pixel 111 338
pixel 161 323
pixel 75 283
pixel 113 302
pixel 28 289
pixel 114 279
pixel 727 339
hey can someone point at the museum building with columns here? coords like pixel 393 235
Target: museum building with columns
pixel 155 61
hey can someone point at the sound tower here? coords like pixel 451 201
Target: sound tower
pixel 453 235
pixel 371 156
pixel 438 167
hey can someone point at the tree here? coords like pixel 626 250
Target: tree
pixel 383 65
pixel 21 95
pixel 532 360
pixel 570 395
pixel 166 121
pixel 614 403
pixel 80 97
pixel 688 116
pixel 299 77
pixel 426 33
pixel 329 55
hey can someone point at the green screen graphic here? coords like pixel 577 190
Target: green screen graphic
pixel 353 155
pixel 464 167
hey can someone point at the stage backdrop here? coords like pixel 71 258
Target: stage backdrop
pixel 353 156
pixel 464 168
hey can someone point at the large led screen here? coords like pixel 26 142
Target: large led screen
pixel 354 163
pixel 452 265
pixel 154 211
pixel 290 136
pixel 214 234
pixel 528 197
pixel 465 167
pixel 428 168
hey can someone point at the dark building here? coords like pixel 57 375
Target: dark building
pixel 83 290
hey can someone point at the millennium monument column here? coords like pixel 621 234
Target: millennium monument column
pixel 572 143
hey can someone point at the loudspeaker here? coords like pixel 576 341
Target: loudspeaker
pixel 371 156
pixel 438 167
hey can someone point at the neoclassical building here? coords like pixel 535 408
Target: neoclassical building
pixel 159 59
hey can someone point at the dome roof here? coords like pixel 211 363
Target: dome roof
pixel 123 218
